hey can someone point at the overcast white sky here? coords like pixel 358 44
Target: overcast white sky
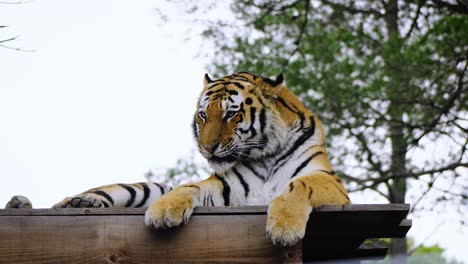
pixel 107 94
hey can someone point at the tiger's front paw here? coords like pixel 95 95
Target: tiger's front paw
pixel 80 201
pixel 169 211
pixel 287 220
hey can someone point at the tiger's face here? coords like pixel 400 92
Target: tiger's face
pixel 236 121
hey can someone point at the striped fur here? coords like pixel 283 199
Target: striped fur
pixel 140 194
pixel 265 148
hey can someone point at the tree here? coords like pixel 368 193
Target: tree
pixel 388 78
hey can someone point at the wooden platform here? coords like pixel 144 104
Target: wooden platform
pixel 214 234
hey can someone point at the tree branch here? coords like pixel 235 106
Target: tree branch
pixel 351 9
pixel 450 103
pixel 10 39
pixel 430 185
pixel 414 175
pixel 300 36
pixel 415 19
pixel 271 8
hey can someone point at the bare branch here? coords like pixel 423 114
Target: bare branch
pixel 415 19
pixel 414 175
pixel 450 103
pixel 430 185
pixel 10 39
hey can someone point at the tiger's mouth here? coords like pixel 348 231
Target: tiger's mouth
pixel 226 159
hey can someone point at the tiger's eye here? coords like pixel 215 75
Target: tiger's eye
pixel 230 114
pixel 202 115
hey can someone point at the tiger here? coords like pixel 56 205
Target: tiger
pixel 264 147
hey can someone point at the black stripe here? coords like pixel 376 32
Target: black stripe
pixel 242 181
pixel 106 205
pixel 132 193
pixel 226 190
pixel 301 116
pixel 261 101
pixel 191 186
pixel 295 110
pixel 104 194
pixel 305 162
pixel 215 83
pixel 238 85
pixel 146 193
pixel 308 132
pixel 311 147
pixel 262 119
pixel 232 92
pixel 291 186
pixel 252 117
pixel 160 187
pixel 213 92
pixel 194 128
pixel 303 184
pixel 211 200
pixel 328 172
pixel 247 165
pixel 241 109
pixel 281 100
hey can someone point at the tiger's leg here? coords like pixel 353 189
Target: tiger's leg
pixel 177 206
pixel 288 213
pixel 117 195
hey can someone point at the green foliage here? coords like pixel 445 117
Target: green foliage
pixel 382 81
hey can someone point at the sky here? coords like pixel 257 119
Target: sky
pixel 103 92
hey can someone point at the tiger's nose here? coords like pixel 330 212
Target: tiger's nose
pixel 211 148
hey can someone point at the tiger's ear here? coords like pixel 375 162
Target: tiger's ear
pixel 273 85
pixel 274 81
pixel 207 79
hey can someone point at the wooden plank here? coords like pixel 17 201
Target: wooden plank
pixel 214 234
pixel 124 239
pixel 327 209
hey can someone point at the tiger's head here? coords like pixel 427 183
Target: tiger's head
pixel 236 120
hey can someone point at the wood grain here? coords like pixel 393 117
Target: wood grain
pixel 213 234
